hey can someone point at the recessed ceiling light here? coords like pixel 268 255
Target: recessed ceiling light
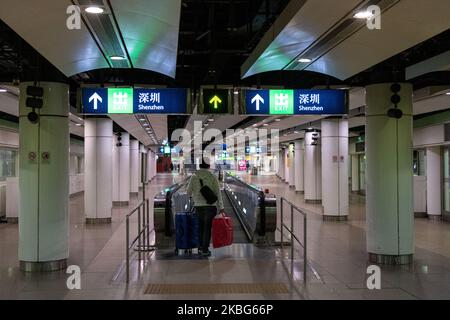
pixel 448 93
pixel 78 124
pixel 236 92
pixel 117 57
pixel 277 120
pixel 304 60
pixel 145 124
pixel 94 9
pixel 265 124
pixel 210 119
pixel 141 119
pixel 363 15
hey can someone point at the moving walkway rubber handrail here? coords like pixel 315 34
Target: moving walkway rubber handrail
pixel 262 202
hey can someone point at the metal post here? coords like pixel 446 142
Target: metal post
pixel 144 240
pixel 128 248
pixel 305 264
pixel 282 221
pixel 148 224
pixel 292 232
pixel 139 236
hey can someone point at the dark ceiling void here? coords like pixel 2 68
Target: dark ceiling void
pixel 175 122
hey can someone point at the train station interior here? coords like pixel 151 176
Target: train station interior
pixel 326 125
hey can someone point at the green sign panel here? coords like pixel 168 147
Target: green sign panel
pixel 120 100
pixel 215 101
pixel 281 101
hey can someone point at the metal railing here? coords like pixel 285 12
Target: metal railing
pixel 143 234
pixel 291 232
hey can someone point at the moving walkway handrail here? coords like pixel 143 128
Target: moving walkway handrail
pixel 291 232
pixel 262 201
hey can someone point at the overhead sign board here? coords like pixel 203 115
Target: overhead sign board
pixel 294 102
pixel 215 101
pixel 134 101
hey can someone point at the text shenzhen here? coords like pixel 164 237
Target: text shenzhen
pixel 296 102
pixel 134 101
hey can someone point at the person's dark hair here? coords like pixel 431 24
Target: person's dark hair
pixel 204 164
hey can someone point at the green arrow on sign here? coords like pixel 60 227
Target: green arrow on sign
pixel 215 100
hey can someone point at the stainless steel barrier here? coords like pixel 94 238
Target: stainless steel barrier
pixel 165 204
pixel 256 210
pixel 292 234
pixel 143 234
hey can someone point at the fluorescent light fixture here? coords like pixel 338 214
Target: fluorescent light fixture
pixel 205 125
pixel 78 124
pixel 304 60
pixel 277 119
pixel 3 90
pixel 295 131
pixel 94 10
pixel 145 124
pixel 448 93
pixel 236 92
pixel 210 119
pixel 265 124
pixel 117 57
pixel 141 119
pixel 364 14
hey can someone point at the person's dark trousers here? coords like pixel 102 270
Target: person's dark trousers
pixel 205 215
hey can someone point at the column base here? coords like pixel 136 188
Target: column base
pixel 313 201
pixel 292 187
pixel 12 220
pixel 390 259
pixel 435 217
pixel 335 218
pixel 43 266
pixel 420 215
pixel 120 203
pixel 446 217
pixel 300 192
pixel 98 220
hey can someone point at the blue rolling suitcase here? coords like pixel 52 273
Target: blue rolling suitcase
pixel 187 232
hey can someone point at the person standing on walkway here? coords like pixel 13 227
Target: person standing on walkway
pixel 206 211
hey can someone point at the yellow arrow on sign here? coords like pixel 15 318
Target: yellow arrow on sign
pixel 215 100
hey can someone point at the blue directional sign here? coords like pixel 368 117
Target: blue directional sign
pixel 95 100
pixel 295 102
pixel 319 102
pixel 172 100
pixel 134 101
pixel 257 101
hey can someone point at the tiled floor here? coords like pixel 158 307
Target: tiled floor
pixel 336 255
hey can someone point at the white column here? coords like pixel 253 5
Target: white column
pixel 389 186
pixel 287 174
pixel 355 173
pixel 115 168
pixel 121 168
pixel 44 180
pixel 334 140
pixel 281 164
pixel 434 182
pixel 291 153
pixel 313 167
pixel 299 170
pixel 134 166
pixel 98 181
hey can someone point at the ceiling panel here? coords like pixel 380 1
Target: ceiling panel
pixel 43 25
pixel 150 32
pixel 401 29
pixel 300 24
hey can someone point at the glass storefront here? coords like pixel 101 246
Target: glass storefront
pixel 446 183
pixel 7 163
pixel 362 173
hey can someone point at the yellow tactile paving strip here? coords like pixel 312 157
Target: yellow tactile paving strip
pixel 217 288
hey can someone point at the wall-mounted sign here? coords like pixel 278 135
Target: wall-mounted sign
pixel 294 102
pixel 215 101
pixel 134 101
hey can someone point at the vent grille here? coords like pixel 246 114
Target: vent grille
pixel 105 31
